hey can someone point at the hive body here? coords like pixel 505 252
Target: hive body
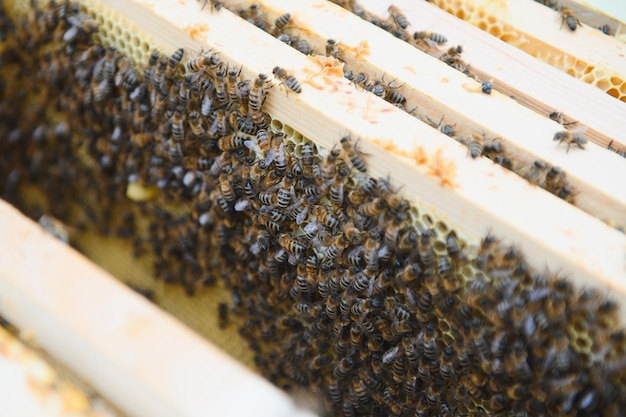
pixel 341 286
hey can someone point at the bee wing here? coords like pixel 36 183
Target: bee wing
pixel 242 204
pixel 311 227
pixel 579 129
pixel 254 147
pixel 390 355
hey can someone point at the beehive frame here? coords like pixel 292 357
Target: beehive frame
pixel 609 257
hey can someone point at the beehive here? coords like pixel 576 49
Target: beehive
pixel 447 190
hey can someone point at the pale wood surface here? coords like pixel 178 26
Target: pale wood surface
pixel 479 196
pixel 140 358
pixel 436 90
pixel 531 82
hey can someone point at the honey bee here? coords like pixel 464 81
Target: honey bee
pixel 143 139
pixel 425 248
pixel 200 63
pixel 486 87
pixel 570 138
pixel 398 17
pixel 606 29
pixel 288 80
pixel 373 208
pixel 282 21
pixel 257 97
pixel 557 116
pixel 452 56
pixel 409 275
pixel 353 154
pixel 325 217
pixel 437 38
pixel 231 142
pixel 178 132
pixel 175 58
pixel 196 162
pixel 223 319
pixel 285 192
pixel 475 145
pixel 231 82
pixel 336 188
pixel 332 48
pixel 568 16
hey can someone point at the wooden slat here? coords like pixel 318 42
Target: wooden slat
pixel 473 196
pixel 141 359
pixel 537 30
pixel 436 89
pixel 531 82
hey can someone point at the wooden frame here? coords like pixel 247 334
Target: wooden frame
pixel 132 352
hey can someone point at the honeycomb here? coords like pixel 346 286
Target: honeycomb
pixel 339 285
pixel 487 17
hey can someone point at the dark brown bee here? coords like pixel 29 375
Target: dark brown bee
pixel 231 82
pixel 336 187
pixel 568 16
pixel 288 80
pixel 175 58
pixel 486 87
pixel 202 62
pixel 475 145
pixel 353 154
pixel 606 29
pixel 437 38
pixel 282 21
pixel 178 133
pixel 398 17
pixel 257 97
pixel 332 48
pixel 223 319
pixel 425 249
pixel 558 117
pixel 570 138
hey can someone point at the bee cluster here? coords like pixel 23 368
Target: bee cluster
pixel 342 287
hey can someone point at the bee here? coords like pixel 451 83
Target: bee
pixel 196 125
pixel 452 56
pixel 570 138
pixel 437 38
pixel 486 87
pixel 288 80
pixel 353 153
pixel 325 217
pixel 409 275
pixel 336 188
pixel 330 166
pixel 557 116
pixel 568 16
pixel 143 139
pixel 475 145
pixel 201 62
pixel 373 208
pixel 231 142
pixel 425 248
pixel 553 178
pixel 196 162
pixel 606 29
pixel 332 48
pixel 175 151
pixel 222 316
pixel 231 82
pixel 178 132
pixel 257 97
pixel 302 46
pixel 215 5
pixel 398 17
pixel 175 58
pixel 282 21
pixel 283 197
